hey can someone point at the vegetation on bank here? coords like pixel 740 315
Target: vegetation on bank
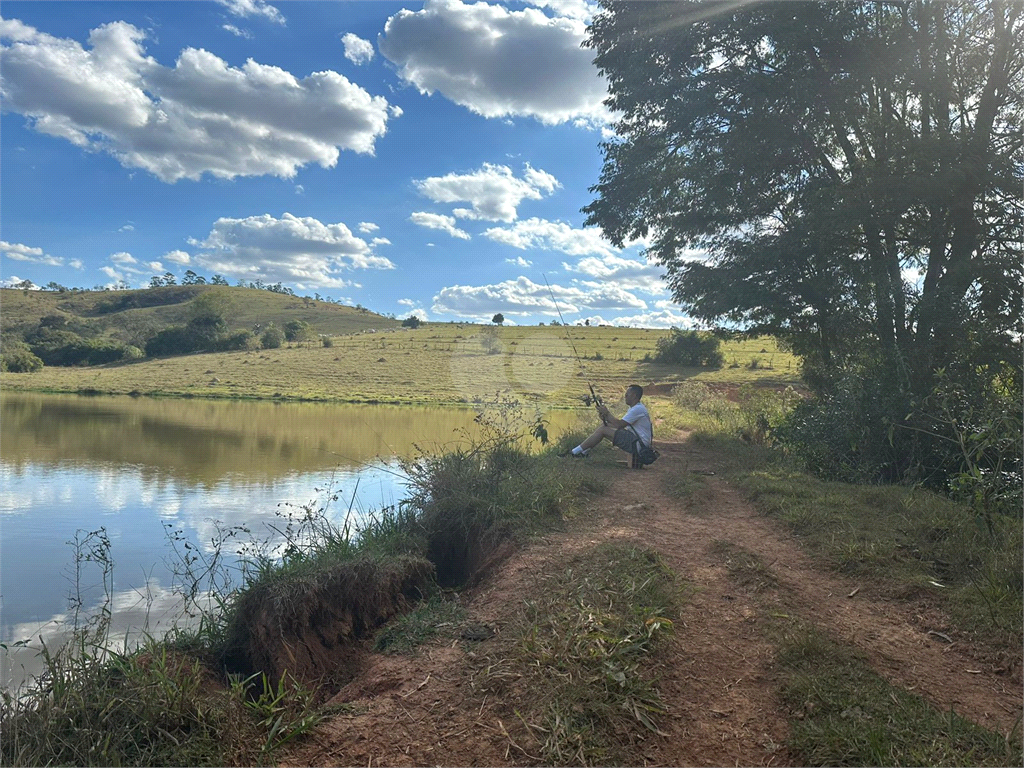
pixel 230 688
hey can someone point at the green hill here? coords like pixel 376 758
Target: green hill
pixel 135 315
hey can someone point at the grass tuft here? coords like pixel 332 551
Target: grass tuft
pixel 585 647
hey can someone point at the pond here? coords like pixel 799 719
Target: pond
pixel 144 470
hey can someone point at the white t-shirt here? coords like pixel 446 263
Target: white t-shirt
pixel 638 418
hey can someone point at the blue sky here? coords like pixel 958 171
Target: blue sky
pixel 416 158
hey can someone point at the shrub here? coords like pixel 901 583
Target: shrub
pixel 327 341
pixel 272 337
pixel 19 359
pixel 298 330
pixel 175 340
pixel 411 322
pixel 691 395
pixel 690 348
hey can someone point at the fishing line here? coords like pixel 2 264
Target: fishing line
pixel 593 394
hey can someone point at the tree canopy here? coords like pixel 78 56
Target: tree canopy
pixel 847 176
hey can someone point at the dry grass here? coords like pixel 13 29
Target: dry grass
pixel 436 363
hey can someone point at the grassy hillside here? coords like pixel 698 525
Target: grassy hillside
pixel 441 363
pixel 131 316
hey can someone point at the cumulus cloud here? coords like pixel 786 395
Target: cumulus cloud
pixel 122 258
pixel 525 297
pixel 380 241
pixel 366 227
pixel 20 252
pixel 300 251
pixel 16 282
pixel 178 257
pixel 127 228
pixel 247 8
pixel 576 9
pixel 438 221
pixel 519 261
pixel 494 192
pixel 632 274
pixel 200 116
pixel 357 50
pixel 497 62
pixel 662 319
pixel 552 236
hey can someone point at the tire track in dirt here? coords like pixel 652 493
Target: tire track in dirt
pixel 715 672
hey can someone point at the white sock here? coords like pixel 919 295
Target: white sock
pixel 578 450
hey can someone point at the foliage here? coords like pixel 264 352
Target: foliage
pixel 298 330
pixel 498 319
pixel 272 337
pixel 690 348
pixel 16 357
pixel 818 152
pixel 411 322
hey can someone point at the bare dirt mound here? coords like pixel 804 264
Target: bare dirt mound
pixel 715 673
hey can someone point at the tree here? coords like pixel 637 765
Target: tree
pixel 218 280
pixel 298 330
pixel 411 322
pixel 191 278
pixel 852 170
pixel 498 319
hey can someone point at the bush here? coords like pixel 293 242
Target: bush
pixel 237 341
pixel 411 322
pixel 272 338
pixel 298 330
pixel 19 359
pixel 690 348
pixel 175 340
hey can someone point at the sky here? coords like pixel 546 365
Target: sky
pixel 425 159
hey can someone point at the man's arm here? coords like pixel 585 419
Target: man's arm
pixel 610 420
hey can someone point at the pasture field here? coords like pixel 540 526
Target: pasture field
pixel 443 363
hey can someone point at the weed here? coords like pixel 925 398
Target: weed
pixel 745 568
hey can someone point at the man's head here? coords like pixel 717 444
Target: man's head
pixel 633 394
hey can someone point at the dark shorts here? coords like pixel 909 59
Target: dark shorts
pixel 625 439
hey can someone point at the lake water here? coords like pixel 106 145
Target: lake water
pixel 143 469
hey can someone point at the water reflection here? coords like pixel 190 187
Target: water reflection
pixel 137 467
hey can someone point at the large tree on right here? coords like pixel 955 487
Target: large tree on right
pixel 845 175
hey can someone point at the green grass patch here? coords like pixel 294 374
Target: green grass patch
pixel 436 617
pixel 909 542
pixel 842 713
pixel 583 648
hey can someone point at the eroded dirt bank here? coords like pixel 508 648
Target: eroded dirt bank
pixel 715 672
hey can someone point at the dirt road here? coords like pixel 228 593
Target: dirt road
pixel 716 673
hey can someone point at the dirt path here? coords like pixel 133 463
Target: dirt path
pixel 715 673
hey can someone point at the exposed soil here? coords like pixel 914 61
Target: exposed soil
pixel 716 673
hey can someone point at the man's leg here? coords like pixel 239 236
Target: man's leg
pixel 599 434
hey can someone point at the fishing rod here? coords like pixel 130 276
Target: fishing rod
pixel 593 394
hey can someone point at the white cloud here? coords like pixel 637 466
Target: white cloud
pixel 662 319
pixel 525 297
pixel 357 50
pixel 366 227
pixel 154 266
pixel 127 228
pixel 380 241
pixel 406 303
pixel 199 116
pixel 438 221
pixel 122 258
pixel 300 251
pixel 178 257
pixel 76 264
pixel 246 8
pixel 576 9
pixel 236 31
pixel 552 236
pixel 519 261
pixel 112 273
pixel 20 252
pixel 493 191
pixel 497 62
pixel 632 274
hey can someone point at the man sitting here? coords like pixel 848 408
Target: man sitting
pixel 624 432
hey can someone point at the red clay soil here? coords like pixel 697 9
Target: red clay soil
pixel 715 672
